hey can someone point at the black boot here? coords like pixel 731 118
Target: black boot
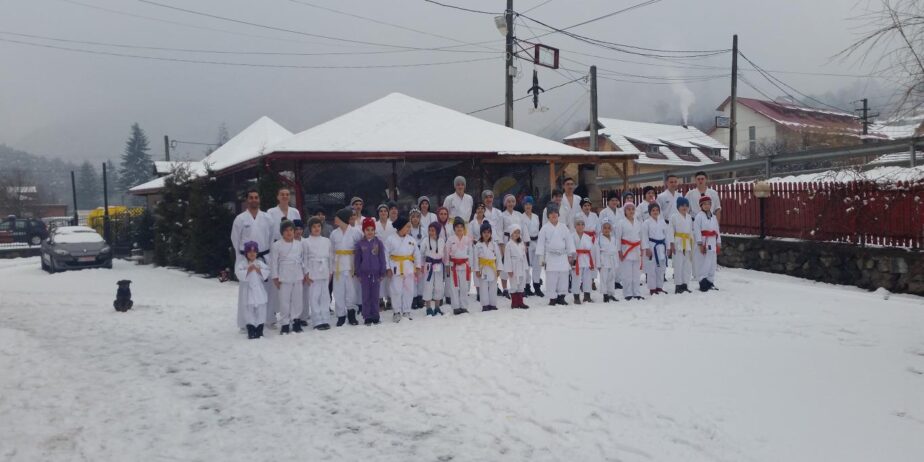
pixel 704 285
pixel 437 311
pixel 618 285
pixel 341 320
pixel 449 301
pixel 577 299
pixel 506 294
pixel 251 331
pixel 296 326
pixel 284 330
pixel 303 322
pixel 561 300
pixel 538 288
pixel 587 298
pixel 553 301
pixel 388 304
pixel 324 326
pixel 259 331
pixel 528 291
pixel 678 289
pixel 457 311
pixel 430 311
pixel 351 317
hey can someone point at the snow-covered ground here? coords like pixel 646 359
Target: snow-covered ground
pixel 770 368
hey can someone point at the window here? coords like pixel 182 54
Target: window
pixel 654 149
pixel 21 225
pixel 752 140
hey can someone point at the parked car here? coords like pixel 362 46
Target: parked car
pixel 22 230
pixel 75 247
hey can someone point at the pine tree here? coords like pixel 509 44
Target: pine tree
pixel 137 166
pixel 171 231
pixel 89 187
pixel 209 221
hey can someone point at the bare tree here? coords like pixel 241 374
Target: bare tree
pixel 15 188
pixel 895 33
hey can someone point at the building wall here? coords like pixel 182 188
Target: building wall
pixel 765 131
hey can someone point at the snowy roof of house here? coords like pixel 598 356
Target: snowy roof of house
pixel 623 133
pixel 398 123
pixel 151 186
pixel 901 127
pixel 805 118
pixel 899 157
pixel 166 167
pixel 21 189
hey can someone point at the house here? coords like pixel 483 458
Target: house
pixel 772 127
pixel 399 148
pixel 659 147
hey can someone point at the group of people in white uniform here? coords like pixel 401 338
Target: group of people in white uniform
pixel 291 274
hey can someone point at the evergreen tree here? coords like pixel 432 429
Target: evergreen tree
pixel 89 187
pixel 115 187
pixel 171 230
pixel 267 184
pixel 137 166
pixel 209 226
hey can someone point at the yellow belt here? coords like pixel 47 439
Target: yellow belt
pixel 340 252
pixel 400 259
pixel 684 238
pixel 489 262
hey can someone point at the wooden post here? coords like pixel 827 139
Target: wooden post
pixel 552 175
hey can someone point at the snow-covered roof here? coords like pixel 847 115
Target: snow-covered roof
pixel 166 167
pixel 626 134
pixel 247 145
pixel 811 119
pixel 151 186
pixel 899 157
pixel 398 123
pixel 900 127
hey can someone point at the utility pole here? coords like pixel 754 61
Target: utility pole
pixel 166 148
pixel 865 116
pixel 593 109
pixel 588 172
pixel 106 229
pixel 508 66
pixel 733 122
pixel 74 193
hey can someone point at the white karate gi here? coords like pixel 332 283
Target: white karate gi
pixel 680 234
pixel 629 236
pixel 317 260
pixel 668 202
pixel 382 232
pixel 693 196
pixel 287 265
pixel 529 230
pixel 485 253
pixel 276 215
pixel 553 248
pixel 419 234
pixel 459 258
pixel 654 238
pixel 608 248
pixel 568 210
pixel 402 256
pixel 259 229
pixel 474 228
pixel 432 275
pixel 425 221
pixel 515 262
pixel 641 211
pixel 704 265
pixel 613 215
pixel 458 206
pixel 346 287
pixel 251 293
pixel 582 274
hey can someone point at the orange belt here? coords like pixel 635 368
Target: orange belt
pixel 593 236
pixel 577 264
pixel 455 275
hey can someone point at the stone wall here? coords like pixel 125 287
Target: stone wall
pixel 897 270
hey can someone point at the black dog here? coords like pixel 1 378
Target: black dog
pixel 123 301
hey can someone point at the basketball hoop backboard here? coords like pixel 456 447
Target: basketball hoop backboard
pixel 544 55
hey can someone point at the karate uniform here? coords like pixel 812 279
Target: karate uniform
pixel 515 262
pixel 474 228
pixel 488 261
pixel 608 248
pixel 433 252
pixel 369 262
pixel 251 292
pixel 382 232
pixel 458 206
pixel 346 287
pixel 318 254
pixel 568 209
pixel 419 234
pixel 582 274
pixel 554 246
pixel 613 215
pixel 668 203
pixel 276 216
pixel 654 238
pixel 680 233
pixel 459 254
pixel 591 228
pixel 629 235
pixel 693 196
pixel 288 266
pixel 641 211
pixel 403 258
pixel 529 231
pixel 706 231
pixel 425 221
pixel 259 229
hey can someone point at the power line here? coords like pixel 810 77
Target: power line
pixel 255 65
pixel 773 78
pixel 524 97
pixel 614 13
pixel 462 8
pixel 537 6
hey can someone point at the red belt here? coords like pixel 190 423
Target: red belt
pixel 455 275
pixel 710 233
pixel 632 246
pixel 593 236
pixel 577 265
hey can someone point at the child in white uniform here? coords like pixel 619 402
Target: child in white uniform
pixel 708 241
pixel 343 241
pixel 629 236
pixel 530 231
pixel 419 233
pixel 608 247
pixel 459 257
pixel 288 270
pixel 251 273
pixel 654 244
pixel 515 266
pixel 318 255
pixel 582 274
pixel 403 259
pixel 486 263
pixel 433 251
pixel 555 249
pixel 680 236
pixel 383 229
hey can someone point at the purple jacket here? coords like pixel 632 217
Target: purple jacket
pixel 369 258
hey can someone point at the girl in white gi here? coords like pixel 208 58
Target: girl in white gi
pixel 419 233
pixel 251 294
pixel 648 197
pixel 629 236
pixel 515 266
pixel 255 225
pixel 555 249
pixel 343 241
pixel 592 229
pixel 530 231
pixel 654 244
pixel 608 247
pixel 383 229
pixel 507 217
pixel 288 270
pixel 474 227
pixel 612 211
pixel 302 316
pixel 433 250
pixel 486 263
pixel 403 267
pixel 318 256
pixel 459 257
pixel 426 217
pixel 582 273
pixel 680 236
pixel 708 241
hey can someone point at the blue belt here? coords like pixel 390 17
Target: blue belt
pixel 658 242
pixel 432 261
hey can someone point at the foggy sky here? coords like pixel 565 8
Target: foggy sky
pixel 80 106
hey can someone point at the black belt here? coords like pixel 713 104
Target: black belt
pixel 534 238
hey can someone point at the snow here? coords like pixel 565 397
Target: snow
pixel 622 132
pixel 878 174
pixel 76 235
pixel 769 368
pixel 403 124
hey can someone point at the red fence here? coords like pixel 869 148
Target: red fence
pixel 863 213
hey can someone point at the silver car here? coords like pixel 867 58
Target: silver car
pixel 75 247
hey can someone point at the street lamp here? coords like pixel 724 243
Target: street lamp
pixel 501 23
pixel 762 190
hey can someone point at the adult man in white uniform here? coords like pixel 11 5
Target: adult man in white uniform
pixel 253 225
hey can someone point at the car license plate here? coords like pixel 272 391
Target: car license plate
pixel 86 259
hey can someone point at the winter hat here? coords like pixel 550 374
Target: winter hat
pixel 251 245
pixel 344 214
pixel 459 179
pixel 578 219
pixel 486 193
pixel 528 200
pixel 437 226
pixel 512 228
pixel 606 221
pixel 399 223
pixel 484 226
pixel 356 199
pixel 313 221
pixel 705 198
pixel 628 205
pixel 627 194
pixel 510 196
pixel 458 221
pixel 422 199
pixel 368 222
pixel 380 207
pixel 586 200
pixel 682 202
pixel 414 211
pixel 551 208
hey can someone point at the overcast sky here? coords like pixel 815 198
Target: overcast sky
pixel 80 106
